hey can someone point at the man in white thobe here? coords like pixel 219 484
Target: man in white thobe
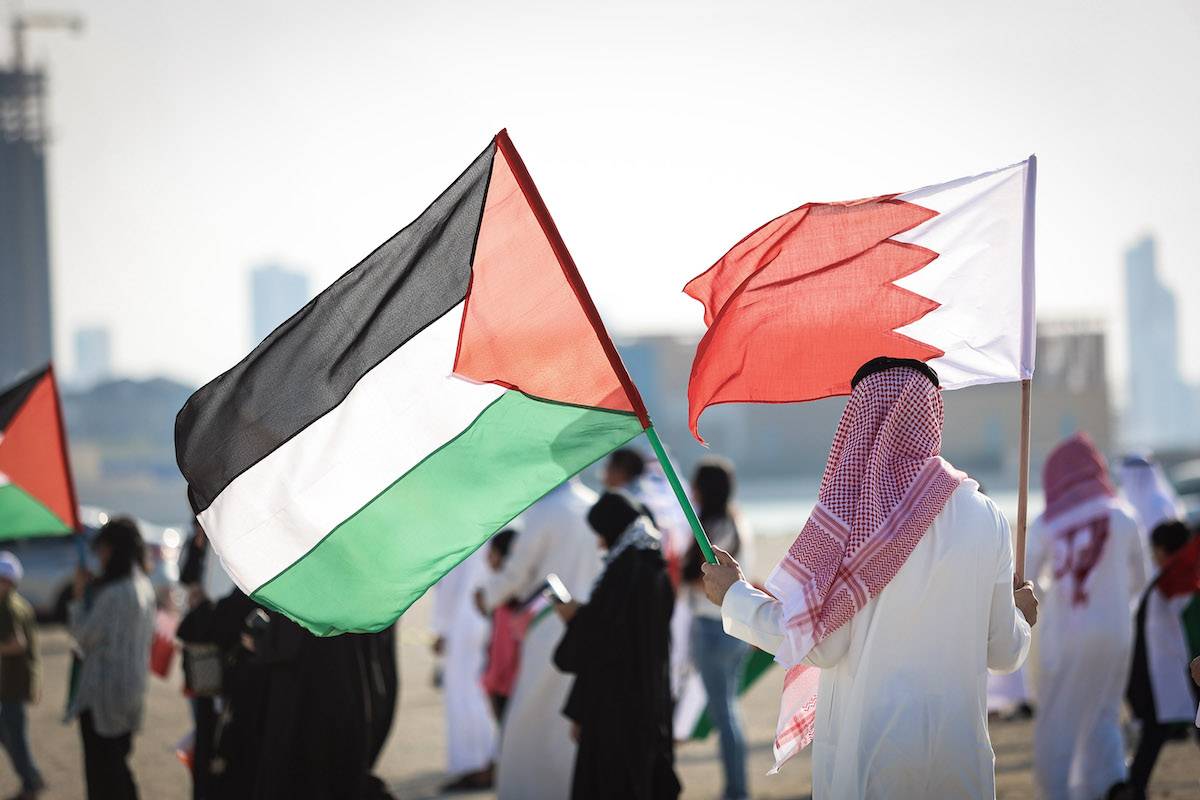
pixel 1086 554
pixel 901 709
pixel 462 633
pixel 903 685
pixel 537 755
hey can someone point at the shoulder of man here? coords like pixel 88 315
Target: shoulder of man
pixel 976 513
pixel 1123 517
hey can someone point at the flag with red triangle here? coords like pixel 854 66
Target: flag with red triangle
pixel 37 497
pixel 942 274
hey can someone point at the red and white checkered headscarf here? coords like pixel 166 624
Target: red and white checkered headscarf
pixel 884 484
pixel 1075 473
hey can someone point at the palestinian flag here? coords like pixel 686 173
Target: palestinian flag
pixel 37 497
pixel 408 412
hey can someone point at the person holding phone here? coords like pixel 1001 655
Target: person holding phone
pixel 617 646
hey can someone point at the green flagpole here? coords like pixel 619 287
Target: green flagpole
pixel 681 496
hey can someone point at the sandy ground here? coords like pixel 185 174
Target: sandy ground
pixel 412 761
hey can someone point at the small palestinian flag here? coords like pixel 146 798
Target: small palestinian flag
pixel 37 497
pixel 411 410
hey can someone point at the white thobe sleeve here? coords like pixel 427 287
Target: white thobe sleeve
pixel 518 575
pixel 756 618
pixel 753 616
pixel 1009 635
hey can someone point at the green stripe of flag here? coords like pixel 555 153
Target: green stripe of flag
pixel 21 515
pixel 375 564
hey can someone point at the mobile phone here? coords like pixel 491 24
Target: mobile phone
pixel 556 590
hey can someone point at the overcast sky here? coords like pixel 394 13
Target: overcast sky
pixel 195 140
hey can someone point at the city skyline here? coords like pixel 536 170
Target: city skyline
pixel 225 178
pixel 276 292
pixel 1161 406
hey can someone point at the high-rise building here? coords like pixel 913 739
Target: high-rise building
pixel 1161 407
pixel 275 294
pixel 25 323
pixel 93 356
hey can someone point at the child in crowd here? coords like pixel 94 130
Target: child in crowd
pixel 508 629
pixel 1159 694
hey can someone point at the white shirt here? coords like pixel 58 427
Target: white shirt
pixel 902 704
pixel 1167 658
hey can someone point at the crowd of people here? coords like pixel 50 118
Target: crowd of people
pixel 567 641
pixel 574 697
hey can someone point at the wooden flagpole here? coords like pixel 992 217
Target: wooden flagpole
pixel 1023 483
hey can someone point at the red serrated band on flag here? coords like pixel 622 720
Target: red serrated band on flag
pixel 505 148
pixel 796 307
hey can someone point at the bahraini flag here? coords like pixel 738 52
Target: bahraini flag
pixel 409 411
pixel 943 274
pixel 37 497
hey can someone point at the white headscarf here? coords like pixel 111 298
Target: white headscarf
pixel 1147 489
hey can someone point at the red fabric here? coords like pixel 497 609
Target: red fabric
pixel 1075 472
pixel 529 323
pixel 504 652
pixel 797 306
pixel 884 484
pixel 1181 575
pixel 33 452
pixel 1078 552
pixel 162 647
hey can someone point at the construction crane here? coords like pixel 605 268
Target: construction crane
pixel 46 20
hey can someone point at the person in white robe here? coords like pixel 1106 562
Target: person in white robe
pixel 893 603
pixel 1146 489
pixel 1085 553
pixel 462 638
pixel 537 754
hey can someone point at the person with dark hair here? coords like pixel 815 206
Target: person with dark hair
pixel 717 656
pixel 623 469
pixel 111 619
pixel 890 607
pixel 195 553
pixel 617 647
pixel 1158 692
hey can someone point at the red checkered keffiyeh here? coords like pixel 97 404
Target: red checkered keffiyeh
pixel 1075 473
pixel 1079 500
pixel 884 484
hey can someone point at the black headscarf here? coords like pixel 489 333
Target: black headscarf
pixel 611 515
